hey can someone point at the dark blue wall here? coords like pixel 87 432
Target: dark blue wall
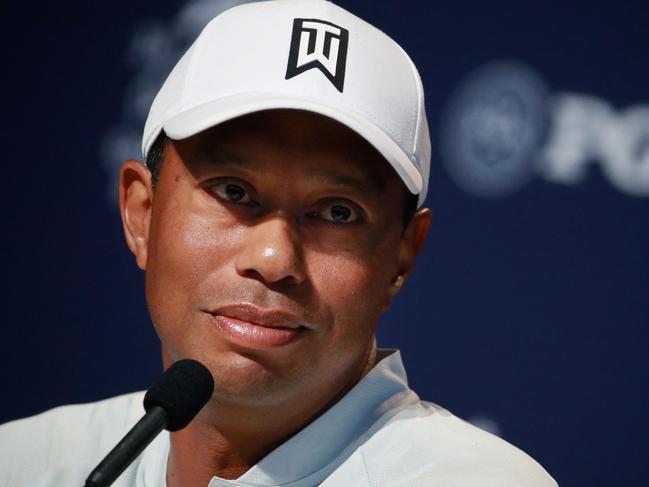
pixel 528 312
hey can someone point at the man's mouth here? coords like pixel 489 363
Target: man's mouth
pixel 254 327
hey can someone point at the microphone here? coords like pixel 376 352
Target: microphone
pixel 171 403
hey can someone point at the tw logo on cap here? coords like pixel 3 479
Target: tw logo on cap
pixel 318 44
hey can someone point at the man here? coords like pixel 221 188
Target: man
pixel 275 220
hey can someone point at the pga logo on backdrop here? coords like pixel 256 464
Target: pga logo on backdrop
pixel 502 127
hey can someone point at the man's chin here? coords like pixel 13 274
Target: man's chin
pixel 249 380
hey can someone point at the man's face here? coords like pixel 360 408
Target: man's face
pixel 271 246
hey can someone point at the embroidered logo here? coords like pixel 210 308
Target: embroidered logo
pixel 318 44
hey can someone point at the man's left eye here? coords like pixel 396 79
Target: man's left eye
pixel 234 193
pixel 339 214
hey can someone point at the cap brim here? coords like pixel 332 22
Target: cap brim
pixel 199 118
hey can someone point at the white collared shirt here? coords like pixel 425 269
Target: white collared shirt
pixel 379 434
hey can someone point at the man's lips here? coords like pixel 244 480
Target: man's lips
pixel 255 327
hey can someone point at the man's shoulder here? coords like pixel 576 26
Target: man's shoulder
pixel 425 445
pixel 67 437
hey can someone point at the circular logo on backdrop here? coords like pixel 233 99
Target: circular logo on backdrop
pixel 493 128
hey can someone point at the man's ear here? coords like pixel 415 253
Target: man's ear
pixel 411 244
pixel 135 200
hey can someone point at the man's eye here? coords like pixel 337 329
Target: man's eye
pixel 339 214
pixel 232 192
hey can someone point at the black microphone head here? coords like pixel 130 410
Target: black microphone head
pixel 182 391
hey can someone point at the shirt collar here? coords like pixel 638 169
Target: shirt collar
pixel 311 455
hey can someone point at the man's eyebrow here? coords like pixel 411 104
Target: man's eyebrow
pixel 371 182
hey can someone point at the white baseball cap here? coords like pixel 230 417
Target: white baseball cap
pixel 306 55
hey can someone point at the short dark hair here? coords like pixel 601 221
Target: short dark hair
pixel 155 156
pixel 156 153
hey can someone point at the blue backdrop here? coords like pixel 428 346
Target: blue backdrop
pixel 528 312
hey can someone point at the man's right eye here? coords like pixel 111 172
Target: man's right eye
pixel 234 193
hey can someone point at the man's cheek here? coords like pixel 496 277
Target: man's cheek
pixel 200 244
pixel 347 283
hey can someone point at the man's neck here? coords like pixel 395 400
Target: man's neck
pixel 230 446
pixel 200 452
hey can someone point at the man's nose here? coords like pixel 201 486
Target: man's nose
pixel 271 252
